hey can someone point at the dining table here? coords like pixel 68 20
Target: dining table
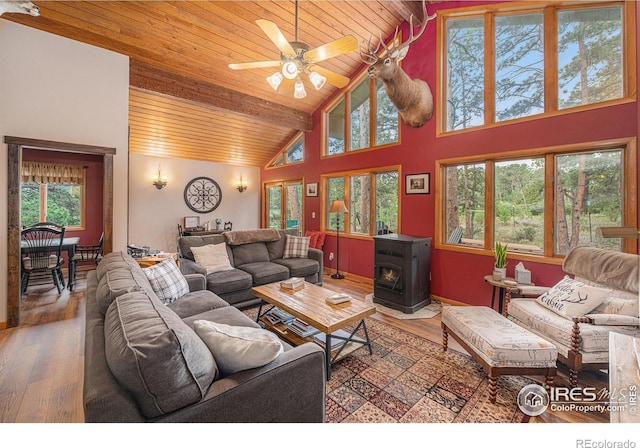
pixel 69 245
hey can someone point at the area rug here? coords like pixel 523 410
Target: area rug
pixel 409 379
pixel 429 311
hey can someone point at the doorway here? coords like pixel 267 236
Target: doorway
pixel 15 147
pixel 283 205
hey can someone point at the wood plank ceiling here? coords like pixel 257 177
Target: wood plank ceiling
pixel 184 100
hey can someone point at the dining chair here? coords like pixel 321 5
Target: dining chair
pixel 89 254
pixel 228 225
pixel 41 247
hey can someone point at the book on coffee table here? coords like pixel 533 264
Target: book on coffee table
pixel 293 283
pixel 321 339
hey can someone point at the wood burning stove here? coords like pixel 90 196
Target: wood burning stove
pixel 401 278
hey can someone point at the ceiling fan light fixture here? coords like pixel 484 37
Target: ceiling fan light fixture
pixel 275 80
pixel 317 80
pixel 299 91
pixel 290 69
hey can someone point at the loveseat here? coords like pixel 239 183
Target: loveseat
pixel 579 312
pixel 144 359
pixel 255 257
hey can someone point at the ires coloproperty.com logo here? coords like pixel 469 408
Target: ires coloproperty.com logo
pixel 534 400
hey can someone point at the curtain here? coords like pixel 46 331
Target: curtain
pixel 52 173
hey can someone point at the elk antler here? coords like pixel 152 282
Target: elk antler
pixel 370 57
pixel 425 20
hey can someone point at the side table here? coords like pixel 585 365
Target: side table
pixel 150 260
pixel 500 285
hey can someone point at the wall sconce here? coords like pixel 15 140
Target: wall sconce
pixel 159 180
pixel 242 185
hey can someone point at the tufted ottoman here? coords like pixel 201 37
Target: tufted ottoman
pixel 499 345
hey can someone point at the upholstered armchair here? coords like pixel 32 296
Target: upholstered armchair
pixel 578 314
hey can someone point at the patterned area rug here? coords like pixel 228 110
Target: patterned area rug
pixel 409 379
pixel 429 311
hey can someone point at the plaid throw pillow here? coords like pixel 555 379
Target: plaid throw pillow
pixel 296 247
pixel 167 281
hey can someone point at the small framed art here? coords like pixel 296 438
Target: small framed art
pixel 417 183
pixel 312 189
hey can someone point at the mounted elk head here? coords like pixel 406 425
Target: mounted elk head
pixel 412 97
pixel 19 7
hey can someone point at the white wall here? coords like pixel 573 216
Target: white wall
pixel 52 88
pixel 154 214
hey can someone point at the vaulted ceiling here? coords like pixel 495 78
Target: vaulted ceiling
pixel 185 102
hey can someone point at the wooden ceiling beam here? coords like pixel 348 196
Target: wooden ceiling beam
pixel 147 77
pixel 408 7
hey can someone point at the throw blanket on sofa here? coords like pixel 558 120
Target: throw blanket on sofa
pixel 237 237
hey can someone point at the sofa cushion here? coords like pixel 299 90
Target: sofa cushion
pixel 299 267
pixel 617 302
pixel 296 246
pixel 571 298
pixel 196 302
pixel 167 281
pixel 114 260
pixel 237 348
pixel 265 272
pixel 117 282
pixel 249 253
pixel 229 281
pixel 213 257
pixel 156 356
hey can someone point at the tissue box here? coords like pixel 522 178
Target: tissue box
pixel 523 276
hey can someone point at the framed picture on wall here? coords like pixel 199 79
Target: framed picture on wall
pixel 312 189
pixel 417 183
pixel 191 222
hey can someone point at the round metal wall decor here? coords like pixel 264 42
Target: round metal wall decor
pixel 202 195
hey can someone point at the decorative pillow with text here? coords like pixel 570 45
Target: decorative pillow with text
pixel 570 298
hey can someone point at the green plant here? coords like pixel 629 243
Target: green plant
pixel 500 253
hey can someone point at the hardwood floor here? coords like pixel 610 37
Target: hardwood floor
pixel 41 362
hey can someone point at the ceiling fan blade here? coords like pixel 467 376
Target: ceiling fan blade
pixel 273 32
pixel 257 64
pixel 332 77
pixel 335 48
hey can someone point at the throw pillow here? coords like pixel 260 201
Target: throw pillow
pixel 313 241
pixel 167 281
pixel 213 257
pixel 236 348
pixel 296 247
pixel 570 298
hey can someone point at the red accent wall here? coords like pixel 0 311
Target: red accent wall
pixel 454 276
pixel 93 188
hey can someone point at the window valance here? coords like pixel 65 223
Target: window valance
pixel 52 173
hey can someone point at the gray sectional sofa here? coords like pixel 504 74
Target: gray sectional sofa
pixel 257 259
pixel 145 363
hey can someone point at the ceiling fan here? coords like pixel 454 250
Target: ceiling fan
pixel 296 58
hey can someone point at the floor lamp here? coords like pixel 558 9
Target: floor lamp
pixel 337 206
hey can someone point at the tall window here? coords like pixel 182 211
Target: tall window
pixel 545 203
pixel 499 66
pixel 372 198
pixel 371 121
pixel 293 152
pixel 52 192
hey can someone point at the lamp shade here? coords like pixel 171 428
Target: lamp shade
pixel 338 206
pixel 617 232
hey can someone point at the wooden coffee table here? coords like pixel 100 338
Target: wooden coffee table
pixel 309 305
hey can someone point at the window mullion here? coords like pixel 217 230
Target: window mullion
pixel 489 204
pixel 549 205
pixel 43 202
pixel 373 108
pixel 489 69
pixel 550 59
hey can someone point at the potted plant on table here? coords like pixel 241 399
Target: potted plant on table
pixel 500 266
